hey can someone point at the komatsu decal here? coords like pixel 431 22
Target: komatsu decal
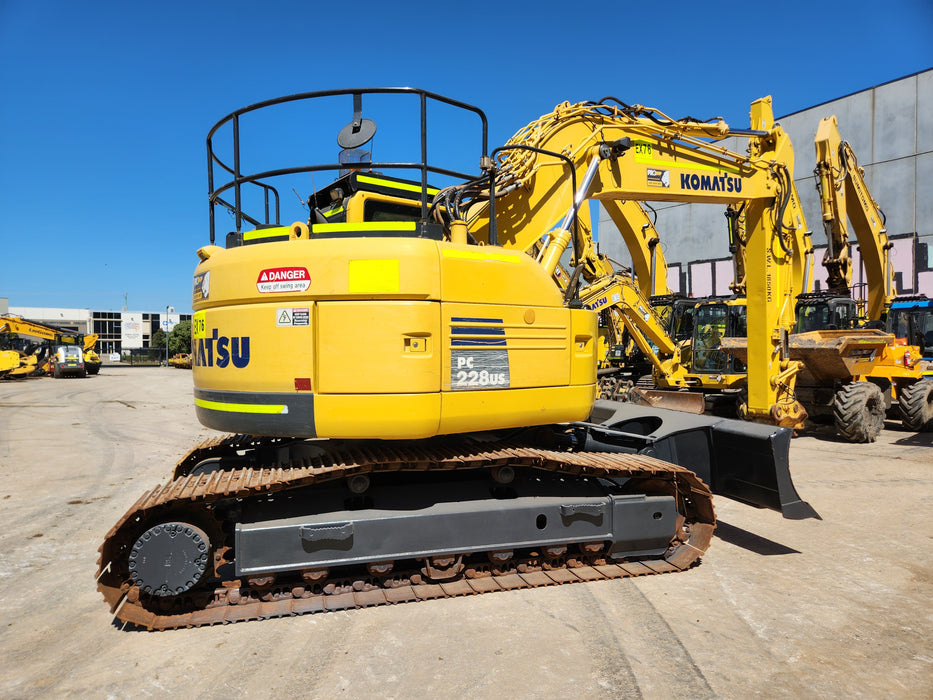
pixel 221 351
pixel 710 183
pixel 283 279
pixel 615 297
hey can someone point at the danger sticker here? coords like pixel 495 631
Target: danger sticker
pixel 284 279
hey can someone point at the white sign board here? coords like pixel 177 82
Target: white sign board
pixel 131 333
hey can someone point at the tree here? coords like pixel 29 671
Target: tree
pixel 157 339
pixel 179 340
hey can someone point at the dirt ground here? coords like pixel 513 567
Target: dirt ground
pixel 832 608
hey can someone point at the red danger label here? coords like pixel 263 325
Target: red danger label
pixel 283 279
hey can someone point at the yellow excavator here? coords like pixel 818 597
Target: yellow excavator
pixel 409 394
pixel 853 369
pixel 10 361
pixel 860 401
pixel 17 358
pixel 39 359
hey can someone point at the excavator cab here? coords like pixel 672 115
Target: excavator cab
pixel 715 320
pixel 709 322
pixel 910 319
pixel 674 310
pixel 368 196
pixel 821 311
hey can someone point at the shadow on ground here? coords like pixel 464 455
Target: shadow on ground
pixel 751 541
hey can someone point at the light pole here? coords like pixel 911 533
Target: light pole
pixel 168 310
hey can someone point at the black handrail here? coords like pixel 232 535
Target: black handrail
pixel 239 179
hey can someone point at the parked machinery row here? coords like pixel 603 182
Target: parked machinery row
pixel 34 348
pixel 847 367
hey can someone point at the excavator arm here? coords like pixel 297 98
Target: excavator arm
pixel 34 329
pixel 22 326
pixel 843 193
pixel 629 308
pixel 643 243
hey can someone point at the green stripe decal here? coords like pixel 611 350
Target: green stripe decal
pixel 366 226
pixel 394 185
pixel 645 155
pixel 267 233
pixel 242 407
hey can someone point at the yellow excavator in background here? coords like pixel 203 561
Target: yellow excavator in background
pixel 410 389
pixel 850 372
pixel 10 361
pixel 717 359
pixel 898 373
pixel 38 359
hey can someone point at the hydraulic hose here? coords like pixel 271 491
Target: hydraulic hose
pixel 783 178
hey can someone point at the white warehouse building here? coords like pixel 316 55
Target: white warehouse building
pixel 117 330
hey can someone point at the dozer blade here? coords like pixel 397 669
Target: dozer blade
pixel 748 462
pixel 686 401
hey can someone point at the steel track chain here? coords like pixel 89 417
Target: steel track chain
pixel 230 602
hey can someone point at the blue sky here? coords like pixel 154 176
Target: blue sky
pixel 105 106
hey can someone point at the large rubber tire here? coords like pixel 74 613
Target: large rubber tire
pixel 916 405
pixel 858 410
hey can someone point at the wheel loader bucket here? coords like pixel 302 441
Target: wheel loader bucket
pixel 828 355
pixel 841 354
pixel 748 462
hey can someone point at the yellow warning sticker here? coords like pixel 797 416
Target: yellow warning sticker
pixel 198 325
pixel 373 277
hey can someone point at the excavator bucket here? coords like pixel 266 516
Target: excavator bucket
pixel 748 462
